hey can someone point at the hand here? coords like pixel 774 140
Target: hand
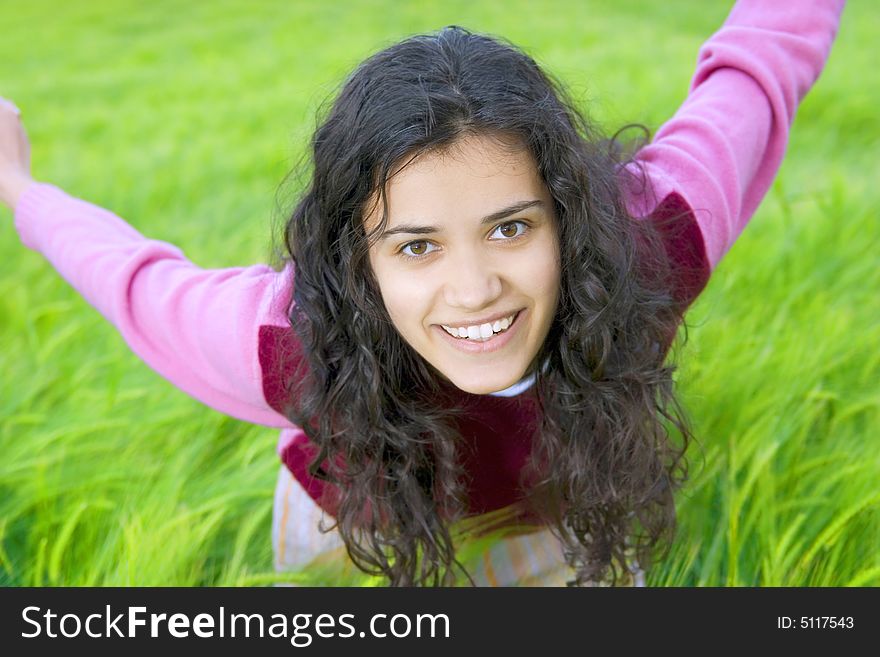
pixel 15 155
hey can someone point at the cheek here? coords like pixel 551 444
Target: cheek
pixel 403 297
pixel 541 276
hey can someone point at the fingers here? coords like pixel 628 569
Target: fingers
pixel 10 105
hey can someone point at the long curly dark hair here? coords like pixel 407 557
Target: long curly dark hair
pixel 604 454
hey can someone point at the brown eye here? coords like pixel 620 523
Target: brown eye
pixel 508 230
pixel 416 250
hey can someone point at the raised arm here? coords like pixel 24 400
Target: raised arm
pixel 718 155
pixel 210 332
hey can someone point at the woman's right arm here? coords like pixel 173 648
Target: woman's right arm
pixel 15 155
pixel 210 332
pixel 220 335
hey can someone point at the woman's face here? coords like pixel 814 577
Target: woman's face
pixel 470 243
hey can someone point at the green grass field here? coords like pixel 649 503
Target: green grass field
pixel 183 118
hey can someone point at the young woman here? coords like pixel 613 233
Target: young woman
pixel 473 323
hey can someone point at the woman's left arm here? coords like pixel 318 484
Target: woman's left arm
pixel 721 150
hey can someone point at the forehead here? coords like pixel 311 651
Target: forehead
pixel 471 178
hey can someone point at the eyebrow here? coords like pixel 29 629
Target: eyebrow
pixel 415 229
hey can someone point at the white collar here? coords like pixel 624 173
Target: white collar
pixel 520 386
pixel 517 388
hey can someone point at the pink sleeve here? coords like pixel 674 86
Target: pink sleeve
pixel 198 328
pixel 722 148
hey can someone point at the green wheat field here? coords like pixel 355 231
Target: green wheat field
pixel 184 118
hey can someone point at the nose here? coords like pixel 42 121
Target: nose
pixel 471 283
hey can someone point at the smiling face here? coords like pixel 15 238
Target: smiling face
pixel 470 242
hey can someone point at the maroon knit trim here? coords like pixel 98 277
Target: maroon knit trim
pixel 683 239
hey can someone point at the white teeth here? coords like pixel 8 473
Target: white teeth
pixel 483 331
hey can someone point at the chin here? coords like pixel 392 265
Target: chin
pixel 483 387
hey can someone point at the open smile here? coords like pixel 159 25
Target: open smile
pixel 482 345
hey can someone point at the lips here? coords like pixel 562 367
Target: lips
pixel 496 342
pixel 484 331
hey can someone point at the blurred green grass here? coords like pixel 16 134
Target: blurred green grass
pixel 183 118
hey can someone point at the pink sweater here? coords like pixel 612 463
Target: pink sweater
pixel 222 335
